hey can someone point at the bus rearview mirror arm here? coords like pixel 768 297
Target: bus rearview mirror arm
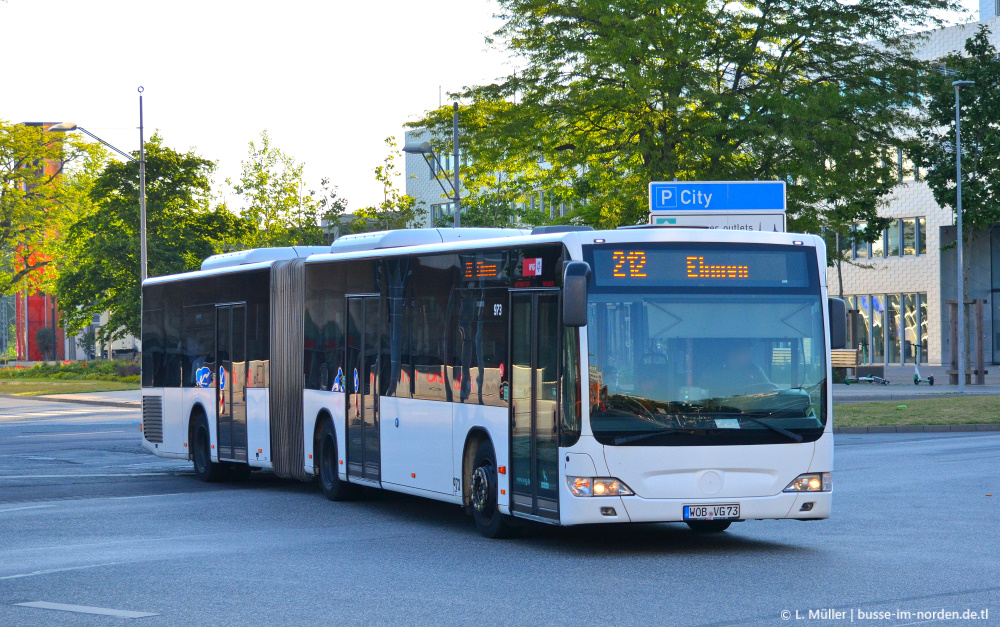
pixel 837 309
pixel 574 304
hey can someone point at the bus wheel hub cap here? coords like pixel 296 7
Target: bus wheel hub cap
pixel 480 489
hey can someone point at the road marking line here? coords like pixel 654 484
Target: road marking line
pixel 86 609
pixel 58 570
pixel 137 496
pixel 110 474
pixel 17 509
pixel 55 435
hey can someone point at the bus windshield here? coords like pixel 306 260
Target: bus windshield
pixel 671 367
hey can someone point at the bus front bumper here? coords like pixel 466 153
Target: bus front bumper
pixel 793 506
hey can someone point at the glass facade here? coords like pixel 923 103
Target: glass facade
pixel 910 330
pixel 878 329
pixel 892 328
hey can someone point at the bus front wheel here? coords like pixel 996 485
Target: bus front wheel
pixel 484 489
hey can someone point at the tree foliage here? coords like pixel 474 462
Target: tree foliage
pixel 615 94
pixel 275 204
pixel 99 270
pixel 43 181
pixel 980 117
pixel 397 210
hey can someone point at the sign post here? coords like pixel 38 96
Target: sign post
pixel 728 205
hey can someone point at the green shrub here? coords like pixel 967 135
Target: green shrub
pixel 103 370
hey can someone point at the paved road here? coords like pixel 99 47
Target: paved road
pixel 87 519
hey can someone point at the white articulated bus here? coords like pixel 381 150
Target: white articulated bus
pixel 564 375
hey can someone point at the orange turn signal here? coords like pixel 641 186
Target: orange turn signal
pixel 413 474
pixel 502 470
pixel 503 491
pixel 310 456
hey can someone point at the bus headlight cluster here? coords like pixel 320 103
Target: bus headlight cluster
pixel 812 482
pixel 598 486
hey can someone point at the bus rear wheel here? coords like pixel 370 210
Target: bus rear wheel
pixel 483 496
pixel 709 526
pixel 204 468
pixel 329 474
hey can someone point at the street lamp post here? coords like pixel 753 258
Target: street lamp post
pixel 69 126
pixel 458 184
pixel 425 149
pixel 958 211
pixel 142 195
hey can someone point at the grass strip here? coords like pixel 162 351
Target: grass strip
pixel 950 410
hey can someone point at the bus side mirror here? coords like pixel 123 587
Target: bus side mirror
pixel 838 323
pixel 574 304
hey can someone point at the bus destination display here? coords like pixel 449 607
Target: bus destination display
pixel 658 266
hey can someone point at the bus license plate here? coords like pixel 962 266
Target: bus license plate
pixel 712 512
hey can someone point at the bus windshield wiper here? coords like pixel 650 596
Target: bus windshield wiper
pixel 625 439
pixel 745 416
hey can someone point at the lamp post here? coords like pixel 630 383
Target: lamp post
pixel 69 126
pixel 425 149
pixel 958 211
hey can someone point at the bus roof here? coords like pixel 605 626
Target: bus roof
pixel 436 241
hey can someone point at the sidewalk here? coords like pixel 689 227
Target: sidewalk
pixel 901 386
pixel 124 398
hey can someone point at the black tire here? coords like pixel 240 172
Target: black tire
pixel 709 526
pixel 483 496
pixel 334 488
pixel 206 470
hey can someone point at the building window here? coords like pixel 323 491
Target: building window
pixel 921 236
pixel 892 240
pixel 894 327
pixel 860 246
pixel 878 329
pixel 878 247
pixel 909 236
pixel 923 328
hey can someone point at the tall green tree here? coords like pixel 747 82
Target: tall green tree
pixel 44 178
pixel 980 116
pixel 99 270
pixel 275 202
pixel 615 94
pixel 498 180
pixel 396 210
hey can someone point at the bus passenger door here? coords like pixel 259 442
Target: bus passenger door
pixel 362 384
pixel 230 381
pixel 534 383
pixel 238 383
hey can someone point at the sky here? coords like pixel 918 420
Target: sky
pixel 328 80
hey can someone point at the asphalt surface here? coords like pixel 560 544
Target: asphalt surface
pixel 88 519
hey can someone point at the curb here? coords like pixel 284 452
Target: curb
pixel 918 429
pixel 78 401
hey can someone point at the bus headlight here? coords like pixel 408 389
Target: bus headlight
pixel 812 482
pixel 598 486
